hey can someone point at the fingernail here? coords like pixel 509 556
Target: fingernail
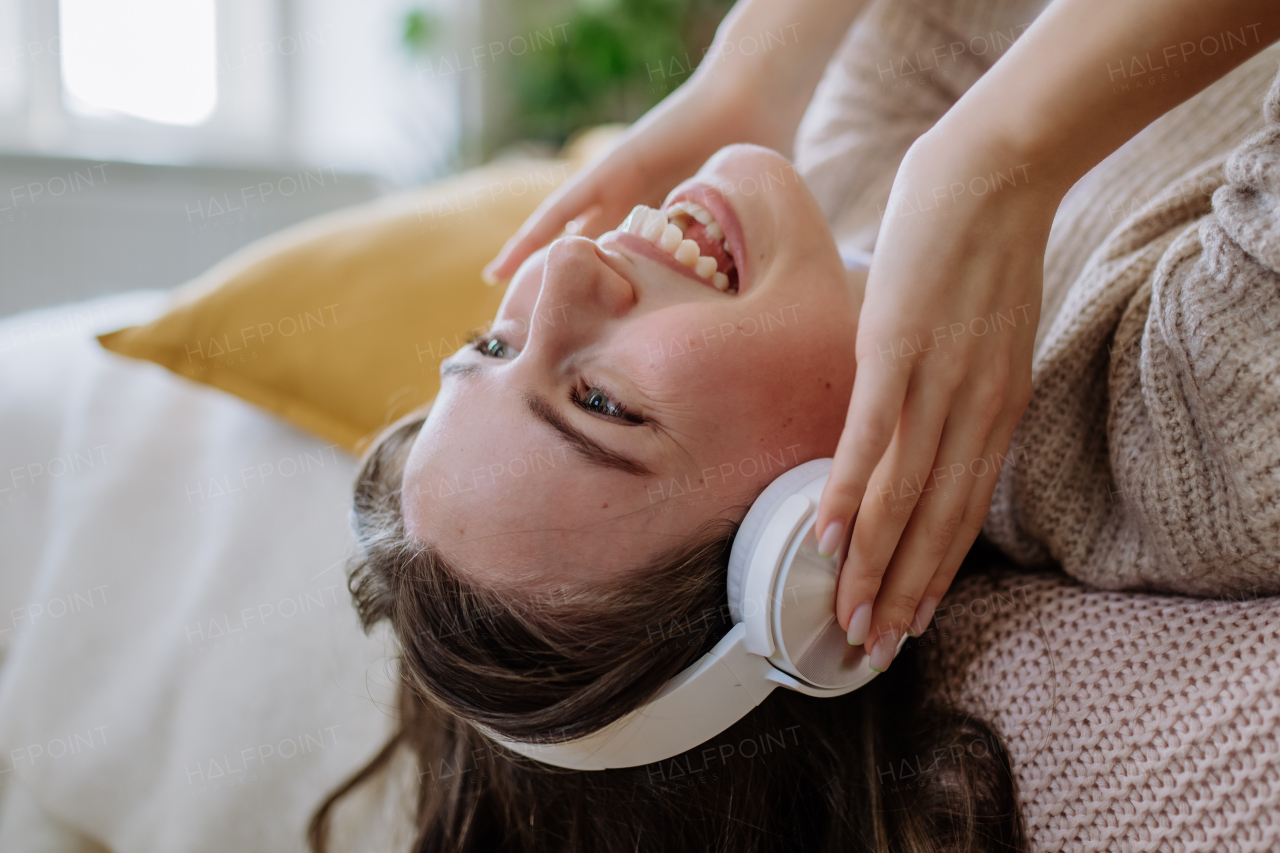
pixel 924 615
pixel 883 651
pixel 487 276
pixel 830 541
pixel 859 624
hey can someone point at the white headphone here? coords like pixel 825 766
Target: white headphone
pixel 784 634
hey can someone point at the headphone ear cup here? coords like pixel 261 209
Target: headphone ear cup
pixel 757 519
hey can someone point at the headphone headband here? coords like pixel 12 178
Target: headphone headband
pixel 781 600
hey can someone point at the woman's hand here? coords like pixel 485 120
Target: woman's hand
pixel 944 349
pixel 740 93
pixel 663 148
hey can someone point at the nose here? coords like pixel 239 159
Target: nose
pixel 581 296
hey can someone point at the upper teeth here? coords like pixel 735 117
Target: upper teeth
pixel 665 229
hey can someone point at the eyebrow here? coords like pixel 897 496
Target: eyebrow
pixel 585 445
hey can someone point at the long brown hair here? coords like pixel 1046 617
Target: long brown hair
pixel 871 770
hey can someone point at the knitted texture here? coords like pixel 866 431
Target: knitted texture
pixel 1135 722
pixel 1149 453
pixel 902 65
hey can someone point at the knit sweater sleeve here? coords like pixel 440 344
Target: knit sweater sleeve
pixel 900 68
pixel 1150 455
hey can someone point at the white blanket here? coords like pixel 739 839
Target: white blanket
pixel 182 667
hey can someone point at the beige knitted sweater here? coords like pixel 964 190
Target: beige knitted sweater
pixel 1150 452
pixel 1153 434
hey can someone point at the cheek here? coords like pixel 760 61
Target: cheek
pixel 764 374
pixel 727 368
pixel 777 389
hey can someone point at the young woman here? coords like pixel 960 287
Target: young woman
pixel 551 544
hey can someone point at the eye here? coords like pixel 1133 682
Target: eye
pixel 494 348
pixel 585 395
pixel 596 400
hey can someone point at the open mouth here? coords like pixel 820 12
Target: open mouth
pixel 690 234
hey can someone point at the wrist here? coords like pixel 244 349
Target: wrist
pixel 752 104
pixel 741 97
pixel 999 121
pixel 767 89
pixel 983 168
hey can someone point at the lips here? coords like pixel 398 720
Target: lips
pixel 701 241
pixel 638 245
pixel 689 234
pixel 715 203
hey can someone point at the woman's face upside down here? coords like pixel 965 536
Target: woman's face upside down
pixel 626 394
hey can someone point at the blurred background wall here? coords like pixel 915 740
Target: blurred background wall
pixel 142 140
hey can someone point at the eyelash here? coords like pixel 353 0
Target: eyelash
pixel 618 410
pixel 577 394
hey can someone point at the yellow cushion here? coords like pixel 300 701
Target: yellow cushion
pixel 339 324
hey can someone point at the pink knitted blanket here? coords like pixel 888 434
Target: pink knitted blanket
pixel 1135 722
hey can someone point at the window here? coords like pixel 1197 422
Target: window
pixel 271 83
pixel 11 43
pixel 152 59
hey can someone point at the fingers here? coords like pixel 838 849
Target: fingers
pixel 874 410
pixel 975 515
pixel 890 503
pixel 591 223
pixel 912 584
pixel 539 229
pixel 947 520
